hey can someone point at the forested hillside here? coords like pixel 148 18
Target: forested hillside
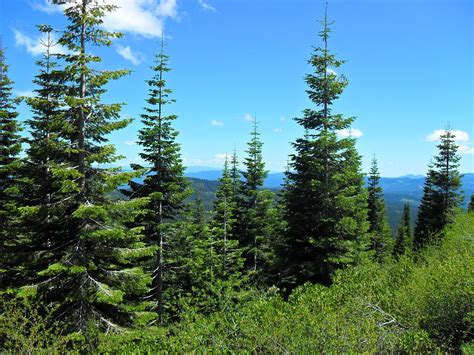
pixel 99 258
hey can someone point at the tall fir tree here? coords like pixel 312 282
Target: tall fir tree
pixel 44 171
pixel 164 184
pixel 379 228
pixel 404 240
pixel 253 203
pixel 325 201
pixel 92 275
pixel 441 194
pixel 426 212
pixel 10 164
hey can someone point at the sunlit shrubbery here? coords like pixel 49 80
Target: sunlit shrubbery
pixel 405 305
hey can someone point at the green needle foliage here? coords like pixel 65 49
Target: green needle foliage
pixel 92 273
pixel 404 241
pixel 10 147
pixel 379 229
pixel 253 204
pixel 164 183
pixel 326 204
pixel 441 195
pixel 48 177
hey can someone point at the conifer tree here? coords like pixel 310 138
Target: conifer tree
pixel 164 183
pixel 470 208
pixel 224 219
pixel 447 179
pixel 45 175
pixel 10 164
pixel 426 212
pixel 441 195
pixel 253 203
pixel 378 226
pixel 325 202
pixel 92 274
pixel 403 243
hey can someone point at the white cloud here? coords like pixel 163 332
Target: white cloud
pixel 26 93
pixel 459 136
pixel 45 6
pixel 206 6
pixel 217 123
pixel 248 117
pixel 221 157
pixel 126 52
pixel 350 132
pixel 282 118
pixel 278 130
pixel 35 46
pixel 465 149
pixel 168 8
pixel 141 17
pixel 130 143
pixel 331 71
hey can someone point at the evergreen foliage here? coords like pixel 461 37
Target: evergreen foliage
pixel 378 225
pixel 253 205
pixel 164 184
pixel 325 202
pixel 89 266
pixel 91 274
pixel 441 195
pixel 404 240
pixel 10 147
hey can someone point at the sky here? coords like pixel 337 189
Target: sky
pixel 409 64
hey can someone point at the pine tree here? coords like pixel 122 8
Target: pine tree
pixel 378 226
pixel 92 273
pixel 253 203
pixel 325 202
pixel 10 164
pixel 403 242
pixel 441 194
pixel 44 174
pixel 224 220
pixel 426 212
pixel 470 208
pixel 447 179
pixel 164 183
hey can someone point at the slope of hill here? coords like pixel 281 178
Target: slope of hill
pixel 397 190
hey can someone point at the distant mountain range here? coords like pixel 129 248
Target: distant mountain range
pixel 397 190
pixel 403 184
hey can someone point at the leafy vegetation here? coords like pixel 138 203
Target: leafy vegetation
pixel 405 305
pixel 310 268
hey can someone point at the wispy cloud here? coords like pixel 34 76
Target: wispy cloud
pixel 217 123
pixel 221 157
pixel 206 6
pixel 459 136
pixel 350 132
pixel 248 117
pixel 278 130
pixel 282 118
pixel 130 143
pixel 35 46
pixel 466 149
pixel 25 93
pixel 126 52
pixel 140 17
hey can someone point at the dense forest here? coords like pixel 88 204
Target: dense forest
pixel 101 258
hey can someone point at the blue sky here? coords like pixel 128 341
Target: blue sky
pixel 409 65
